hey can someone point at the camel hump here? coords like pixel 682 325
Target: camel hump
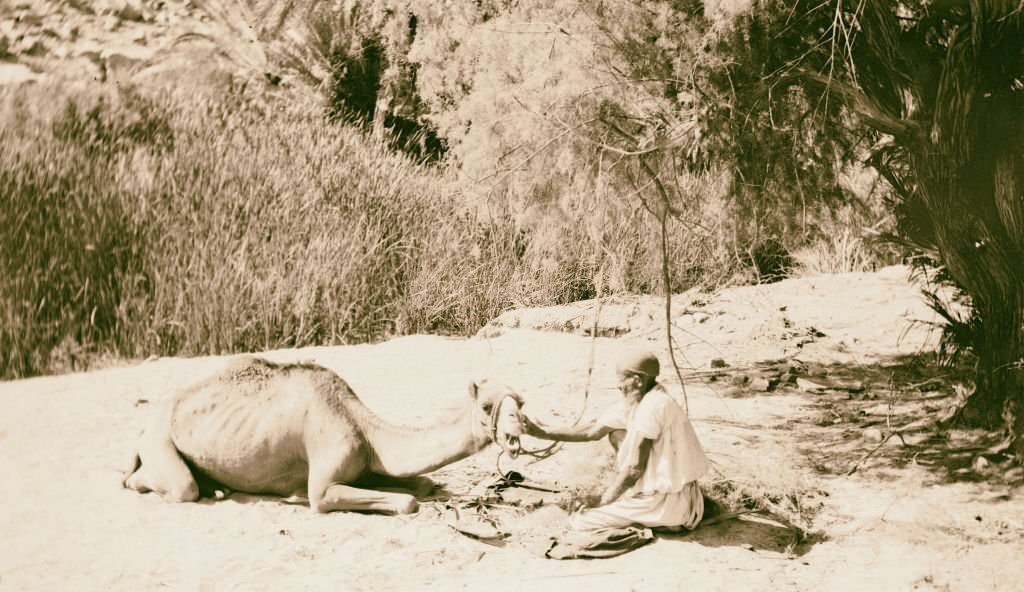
pixel 255 369
pixel 251 374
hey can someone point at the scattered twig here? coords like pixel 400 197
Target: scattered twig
pixel 870 453
pixel 888 426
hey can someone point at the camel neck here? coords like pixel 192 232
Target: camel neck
pixel 402 451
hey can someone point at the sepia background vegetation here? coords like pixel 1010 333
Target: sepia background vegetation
pixel 363 169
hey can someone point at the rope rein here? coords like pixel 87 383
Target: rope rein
pixel 512 445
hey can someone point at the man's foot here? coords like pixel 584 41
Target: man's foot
pixel 678 529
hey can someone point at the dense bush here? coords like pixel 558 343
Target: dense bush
pixel 133 227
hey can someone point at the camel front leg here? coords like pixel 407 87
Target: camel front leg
pixel 339 497
pixel 418 486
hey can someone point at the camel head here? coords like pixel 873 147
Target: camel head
pixel 496 409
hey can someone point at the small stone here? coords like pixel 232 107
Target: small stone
pixel 131 13
pixel 873 434
pixel 761 384
pixel 809 386
pixel 37 49
pixel 981 463
pixel 16 74
pixel 851 386
pixel 719 363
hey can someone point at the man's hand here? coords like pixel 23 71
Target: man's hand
pixel 609 496
pixel 531 428
pixel 581 500
pixel 590 499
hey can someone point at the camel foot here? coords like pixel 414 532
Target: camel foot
pixel 177 493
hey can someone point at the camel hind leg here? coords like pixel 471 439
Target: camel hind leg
pixel 158 467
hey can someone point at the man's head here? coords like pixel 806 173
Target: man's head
pixel 637 373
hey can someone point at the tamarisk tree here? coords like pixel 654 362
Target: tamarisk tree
pixel 938 86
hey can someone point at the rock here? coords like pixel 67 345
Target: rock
pixel 16 74
pixel 37 49
pixel 980 463
pixel 120 67
pixel 880 409
pixel 873 434
pixel 761 384
pixel 850 386
pixel 809 386
pixel 697 317
pixel 719 363
pixel 131 13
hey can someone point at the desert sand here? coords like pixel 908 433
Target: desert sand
pixel 930 512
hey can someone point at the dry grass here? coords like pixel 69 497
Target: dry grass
pixel 136 227
pixel 139 229
pixel 840 252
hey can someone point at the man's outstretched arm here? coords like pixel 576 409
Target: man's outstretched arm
pixel 582 432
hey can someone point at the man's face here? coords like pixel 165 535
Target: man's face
pixel 630 384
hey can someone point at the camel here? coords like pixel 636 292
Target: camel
pixel 299 430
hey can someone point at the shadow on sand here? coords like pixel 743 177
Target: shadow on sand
pixel 898 413
pixel 755 532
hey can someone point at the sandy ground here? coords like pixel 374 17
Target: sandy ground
pixel 922 514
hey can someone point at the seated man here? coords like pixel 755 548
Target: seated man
pixel 659 458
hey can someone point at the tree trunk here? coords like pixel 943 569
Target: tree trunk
pixel 976 210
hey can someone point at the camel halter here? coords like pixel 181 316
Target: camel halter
pixel 512 445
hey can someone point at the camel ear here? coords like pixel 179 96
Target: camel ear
pixel 473 389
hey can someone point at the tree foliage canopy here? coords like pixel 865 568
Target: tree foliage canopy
pixel 938 88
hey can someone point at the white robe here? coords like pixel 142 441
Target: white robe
pixel 666 494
